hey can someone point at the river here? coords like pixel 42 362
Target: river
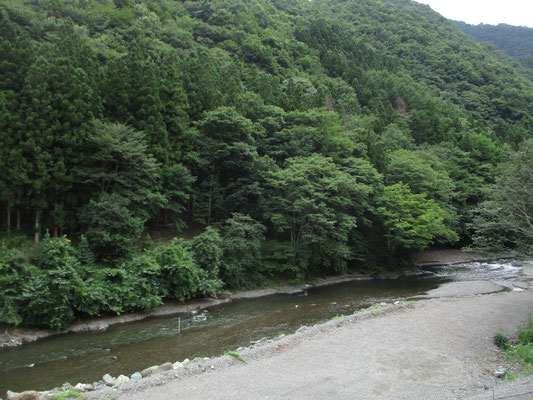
pixel 126 348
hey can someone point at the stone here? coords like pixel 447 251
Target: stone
pixel 500 372
pixel 149 371
pixel 157 369
pixel 83 387
pixel 186 361
pixel 178 365
pixel 136 376
pixel 28 395
pixel 11 395
pixel 302 329
pixel 109 380
pixel 121 380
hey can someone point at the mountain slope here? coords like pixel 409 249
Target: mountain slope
pixel 515 41
pixel 321 135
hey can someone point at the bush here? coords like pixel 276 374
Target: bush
pixel 241 243
pixel 13 274
pixel 112 228
pixel 206 249
pixel 525 336
pixel 501 341
pixel 54 288
pixel 180 277
pixel 134 285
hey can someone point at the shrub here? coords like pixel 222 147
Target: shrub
pixel 53 289
pixel 180 277
pixel 134 285
pixel 501 341
pixel 525 336
pixel 13 273
pixel 206 249
pixel 241 243
pixel 112 228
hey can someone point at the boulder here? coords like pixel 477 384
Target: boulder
pixel 83 387
pixel 109 380
pixel 157 369
pixel 121 380
pixel 28 395
pixel 136 376
pixel 178 365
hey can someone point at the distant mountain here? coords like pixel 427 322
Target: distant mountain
pixel 515 41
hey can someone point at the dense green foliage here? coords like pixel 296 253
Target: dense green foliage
pixel 283 138
pixel 515 41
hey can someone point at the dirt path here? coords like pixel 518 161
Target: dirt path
pixel 436 349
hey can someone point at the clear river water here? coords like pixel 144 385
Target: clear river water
pixel 126 348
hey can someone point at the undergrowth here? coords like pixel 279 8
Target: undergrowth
pixel 521 351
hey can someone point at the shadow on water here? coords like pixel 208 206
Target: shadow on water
pixel 124 349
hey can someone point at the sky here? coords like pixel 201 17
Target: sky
pixel 493 12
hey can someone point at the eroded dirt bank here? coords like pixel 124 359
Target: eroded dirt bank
pixel 435 349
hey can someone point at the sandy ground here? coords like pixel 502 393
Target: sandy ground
pixel 439 348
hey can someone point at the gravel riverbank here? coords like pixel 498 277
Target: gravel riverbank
pixel 438 348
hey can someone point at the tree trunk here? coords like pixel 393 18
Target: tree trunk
pixel 18 211
pixel 37 226
pixel 8 218
pixel 55 219
pixel 209 208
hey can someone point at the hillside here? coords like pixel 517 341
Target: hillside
pixel 299 137
pixel 515 41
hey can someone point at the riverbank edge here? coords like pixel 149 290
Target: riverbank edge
pixel 14 336
pixel 266 347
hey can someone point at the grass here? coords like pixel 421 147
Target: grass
pixel 68 394
pixel 501 341
pixel 521 352
pixel 236 355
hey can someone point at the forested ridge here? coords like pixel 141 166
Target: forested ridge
pixel 515 41
pixel 283 138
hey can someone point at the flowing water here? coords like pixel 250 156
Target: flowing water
pixel 124 349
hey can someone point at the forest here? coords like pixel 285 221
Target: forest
pixel 154 150
pixel 515 41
